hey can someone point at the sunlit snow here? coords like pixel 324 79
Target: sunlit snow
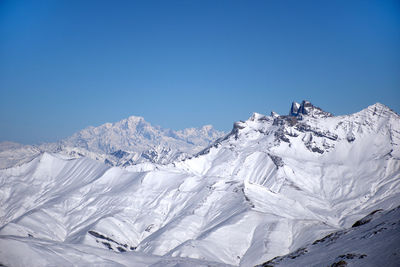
pixel 270 187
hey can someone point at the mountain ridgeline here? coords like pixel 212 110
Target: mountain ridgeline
pixel 276 189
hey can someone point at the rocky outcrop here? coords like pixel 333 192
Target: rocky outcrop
pixel 308 109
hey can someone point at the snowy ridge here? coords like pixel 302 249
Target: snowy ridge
pixel 273 185
pixel 12 154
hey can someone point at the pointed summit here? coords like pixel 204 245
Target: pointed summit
pixel 135 119
pixel 308 109
pixel 380 109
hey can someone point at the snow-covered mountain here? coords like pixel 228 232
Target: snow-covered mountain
pixel 272 186
pixel 12 154
pixel 136 134
pixel 134 140
pixel 127 142
pixel 371 241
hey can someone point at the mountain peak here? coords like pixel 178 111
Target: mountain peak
pixel 135 119
pixel 379 108
pixel 308 109
pixel 140 138
pixel 207 127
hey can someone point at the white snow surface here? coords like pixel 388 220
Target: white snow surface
pixel 373 242
pixel 270 187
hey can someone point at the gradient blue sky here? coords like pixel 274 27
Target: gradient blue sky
pixel 65 65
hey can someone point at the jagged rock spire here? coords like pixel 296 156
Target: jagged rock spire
pixel 306 108
pixel 294 110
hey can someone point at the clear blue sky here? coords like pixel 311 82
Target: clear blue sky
pixel 65 65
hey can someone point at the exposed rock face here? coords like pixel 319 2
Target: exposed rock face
pixel 294 110
pixel 306 108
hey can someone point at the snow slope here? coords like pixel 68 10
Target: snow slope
pixel 26 251
pixel 273 185
pixel 372 241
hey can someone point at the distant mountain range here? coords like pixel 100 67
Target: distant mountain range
pixel 124 143
pixel 278 190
